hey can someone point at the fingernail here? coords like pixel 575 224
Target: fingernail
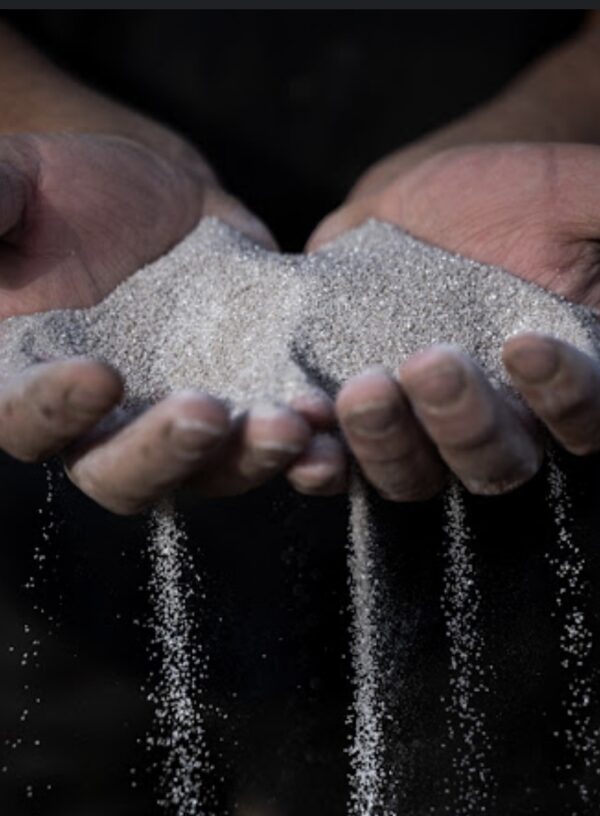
pixel 273 455
pixel 196 433
pixel 84 400
pixel 198 426
pixel 372 418
pixel 321 474
pixel 534 364
pixel 312 401
pixel 266 410
pixel 275 446
pixel 439 385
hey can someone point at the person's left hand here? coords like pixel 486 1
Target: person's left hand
pixel 79 213
pixel 531 209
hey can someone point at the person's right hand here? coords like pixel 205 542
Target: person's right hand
pixel 515 183
pixel 78 214
pixel 533 209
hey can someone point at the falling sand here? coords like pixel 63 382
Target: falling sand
pixel 223 314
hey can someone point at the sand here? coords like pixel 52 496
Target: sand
pixel 220 313
pixel 223 314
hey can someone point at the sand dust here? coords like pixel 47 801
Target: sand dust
pixel 220 313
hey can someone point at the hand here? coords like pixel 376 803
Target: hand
pixel 533 209
pixel 78 214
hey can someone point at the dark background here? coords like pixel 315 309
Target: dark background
pixel 289 107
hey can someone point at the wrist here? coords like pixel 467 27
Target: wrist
pixel 38 97
pixel 558 98
pixel 79 111
pixel 555 100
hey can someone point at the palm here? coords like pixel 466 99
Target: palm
pixel 532 209
pixel 98 207
pixel 78 214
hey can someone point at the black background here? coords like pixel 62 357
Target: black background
pixel 289 107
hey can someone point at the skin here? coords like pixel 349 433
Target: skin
pixel 508 184
pixel 69 171
pixel 512 184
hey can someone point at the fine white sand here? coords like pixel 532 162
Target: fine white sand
pixel 220 313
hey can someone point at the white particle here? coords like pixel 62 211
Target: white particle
pixel 222 314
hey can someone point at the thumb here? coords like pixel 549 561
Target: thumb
pixel 341 220
pixel 221 204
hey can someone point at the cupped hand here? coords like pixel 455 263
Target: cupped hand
pixel 78 214
pixel 533 209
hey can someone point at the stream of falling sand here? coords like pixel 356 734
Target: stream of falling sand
pixel 568 561
pixel 367 786
pixel 472 785
pixel 254 326
pixel 179 709
pixel 471 788
pixel 177 697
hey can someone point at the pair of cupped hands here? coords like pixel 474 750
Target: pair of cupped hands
pixel 81 212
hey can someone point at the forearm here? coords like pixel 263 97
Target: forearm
pixel 36 96
pixel 557 99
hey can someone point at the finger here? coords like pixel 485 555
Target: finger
pixel 153 454
pixel 341 220
pixel 267 440
pixel 221 205
pixel 393 451
pixel 561 385
pixel 322 470
pixel 50 404
pixel 316 408
pixel 481 436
